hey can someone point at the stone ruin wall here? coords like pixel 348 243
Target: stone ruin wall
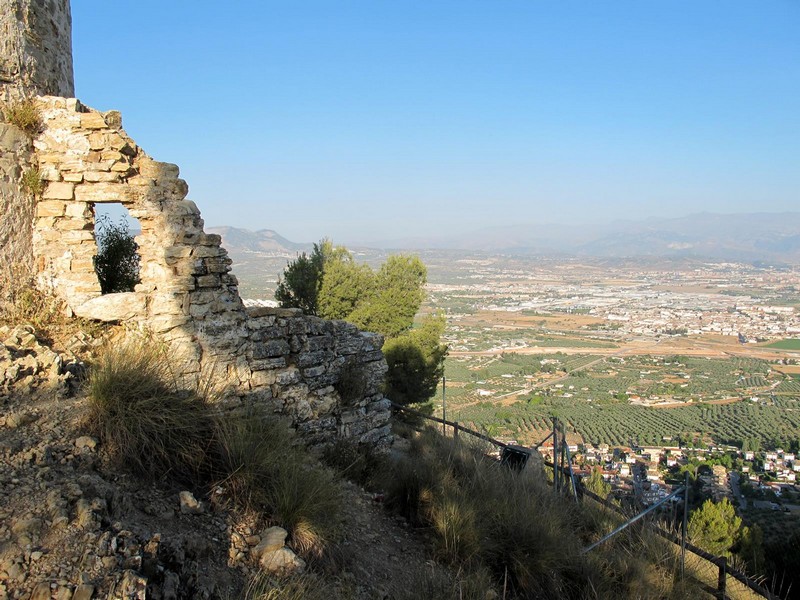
pixel 16 207
pixel 35 58
pixel 35 49
pixel 278 359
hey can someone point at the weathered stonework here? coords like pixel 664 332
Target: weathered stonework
pixel 16 205
pixel 275 358
pixel 35 48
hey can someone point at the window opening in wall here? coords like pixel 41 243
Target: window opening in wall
pixel 117 260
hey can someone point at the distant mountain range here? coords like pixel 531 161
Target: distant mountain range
pixel 767 237
pixel 263 241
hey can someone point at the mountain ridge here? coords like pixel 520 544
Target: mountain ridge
pixel 759 236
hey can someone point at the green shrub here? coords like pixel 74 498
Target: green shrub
pixel 32 182
pixel 263 468
pixel 117 260
pixel 143 416
pixel 25 115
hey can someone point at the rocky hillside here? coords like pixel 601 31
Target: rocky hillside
pixel 73 526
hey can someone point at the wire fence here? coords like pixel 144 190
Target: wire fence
pixel 563 476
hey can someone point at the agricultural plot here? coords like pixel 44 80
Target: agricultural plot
pixel 621 424
pixel 787 344
pixel 603 399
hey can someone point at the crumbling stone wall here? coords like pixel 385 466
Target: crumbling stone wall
pixel 278 359
pixel 16 205
pixel 35 49
pixel 35 58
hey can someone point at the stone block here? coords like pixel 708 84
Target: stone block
pixel 268 363
pixel 208 281
pixel 111 155
pixel 320 342
pixel 50 208
pixel 314 371
pixel 164 323
pixel 210 239
pixel 93 120
pixel 122 167
pixel 218 265
pixel 262 379
pixel 84 265
pixel 206 252
pixel 104 192
pixel 95 176
pixel 113 307
pixel 113 118
pixel 49 173
pixel 74 225
pixel 271 349
pixel 59 190
pixel 78 210
pixel 290 376
pixel 308 359
pixel 158 170
pixel 97 141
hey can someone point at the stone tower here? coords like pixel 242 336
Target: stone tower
pixel 35 49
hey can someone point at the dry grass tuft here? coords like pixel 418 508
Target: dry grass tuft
pixel 264 469
pixel 32 182
pixel 487 518
pixel 25 115
pixel 308 586
pixel 141 414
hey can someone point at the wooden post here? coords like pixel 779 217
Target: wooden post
pixel 455 430
pixel 555 454
pixel 685 524
pixel 444 406
pixel 721 580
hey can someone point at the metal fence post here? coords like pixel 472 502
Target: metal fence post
pixel 684 531
pixel 455 430
pixel 721 580
pixel 444 406
pixel 555 454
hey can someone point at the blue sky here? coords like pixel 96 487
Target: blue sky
pixel 365 120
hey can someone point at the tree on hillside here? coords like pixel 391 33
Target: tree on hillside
pixel 117 260
pixel 416 362
pixel 396 296
pixel 750 548
pixel 329 283
pixel 299 286
pixel 345 283
pixel 596 484
pixel 715 527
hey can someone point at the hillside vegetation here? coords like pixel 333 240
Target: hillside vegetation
pixel 132 482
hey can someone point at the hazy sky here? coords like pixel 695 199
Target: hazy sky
pixel 374 119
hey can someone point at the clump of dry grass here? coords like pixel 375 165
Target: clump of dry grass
pixel 32 183
pixel 21 302
pixel 143 416
pixel 25 115
pixel 307 586
pixel 263 468
pixel 487 517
